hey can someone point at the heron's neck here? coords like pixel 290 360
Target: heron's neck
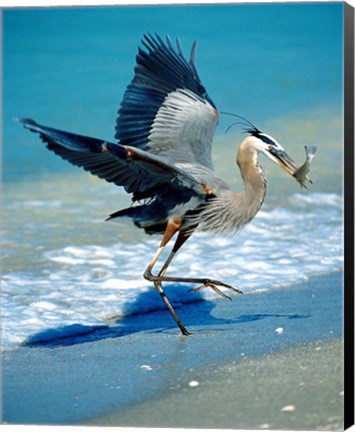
pixel 254 181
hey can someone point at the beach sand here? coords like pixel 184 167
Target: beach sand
pixel 299 388
pixel 271 360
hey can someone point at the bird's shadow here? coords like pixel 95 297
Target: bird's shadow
pixel 134 318
pixel 195 312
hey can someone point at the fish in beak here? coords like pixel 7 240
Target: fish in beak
pixel 281 158
pixel 301 173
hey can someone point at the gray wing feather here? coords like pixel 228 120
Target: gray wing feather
pixel 136 170
pixel 183 129
pixel 153 106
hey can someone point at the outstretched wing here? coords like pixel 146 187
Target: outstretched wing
pixel 138 171
pixel 166 110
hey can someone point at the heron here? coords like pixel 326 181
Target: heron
pixel 161 156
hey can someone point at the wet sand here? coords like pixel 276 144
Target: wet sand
pixel 299 388
pixel 266 360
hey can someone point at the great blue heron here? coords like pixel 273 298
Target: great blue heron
pixel 162 157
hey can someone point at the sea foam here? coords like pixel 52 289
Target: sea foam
pixel 88 284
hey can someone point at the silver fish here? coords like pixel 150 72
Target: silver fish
pixel 301 173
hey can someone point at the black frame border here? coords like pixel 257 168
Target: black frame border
pixel 348 215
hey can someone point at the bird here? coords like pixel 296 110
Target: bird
pixel 161 156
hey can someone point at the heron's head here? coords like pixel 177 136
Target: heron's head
pixel 260 142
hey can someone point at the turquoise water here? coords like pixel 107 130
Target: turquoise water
pixel 68 67
pixel 279 65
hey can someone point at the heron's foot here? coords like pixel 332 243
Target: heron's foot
pixel 185 333
pixel 214 286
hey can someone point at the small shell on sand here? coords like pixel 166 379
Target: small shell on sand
pixel 146 367
pixel 288 408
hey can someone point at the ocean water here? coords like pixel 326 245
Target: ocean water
pixel 280 65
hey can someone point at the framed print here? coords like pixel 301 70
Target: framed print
pixel 178 215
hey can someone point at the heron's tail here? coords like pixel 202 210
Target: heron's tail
pixel 143 216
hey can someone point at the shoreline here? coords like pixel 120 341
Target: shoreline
pixel 142 361
pixel 300 388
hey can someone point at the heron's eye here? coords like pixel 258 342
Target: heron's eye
pixel 271 148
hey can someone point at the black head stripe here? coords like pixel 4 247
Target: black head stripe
pixel 265 139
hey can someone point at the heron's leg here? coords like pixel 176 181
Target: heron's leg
pixel 171 229
pixel 206 283
pixel 181 239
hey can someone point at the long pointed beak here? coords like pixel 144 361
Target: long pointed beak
pixel 281 158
